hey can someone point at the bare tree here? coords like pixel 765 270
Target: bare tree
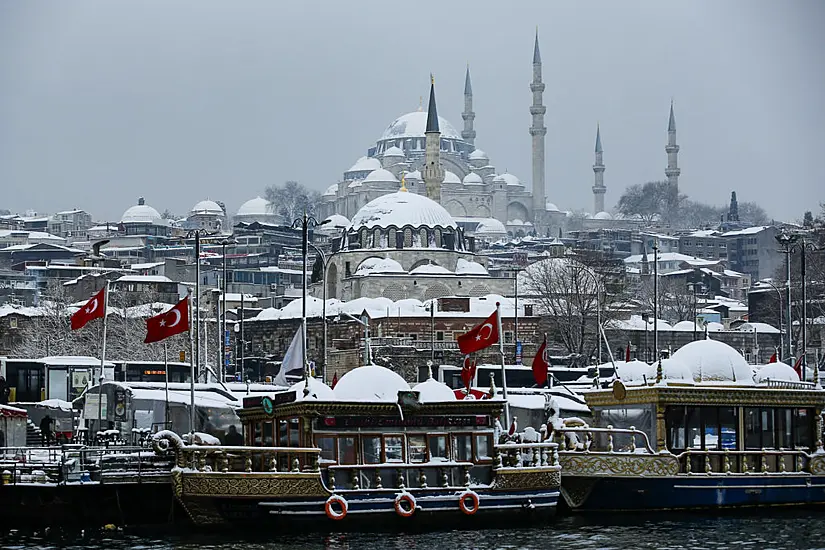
pixel 652 200
pixel 292 200
pixel 675 298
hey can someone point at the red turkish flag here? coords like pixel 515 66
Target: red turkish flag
pixel 468 372
pixel 540 364
pixel 481 336
pixel 94 309
pixel 174 321
pixel 773 358
pixel 334 380
pixel 798 367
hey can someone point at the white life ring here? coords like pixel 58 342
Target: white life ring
pixel 336 514
pixel 410 502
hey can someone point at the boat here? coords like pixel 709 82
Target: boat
pixel 699 430
pixel 373 452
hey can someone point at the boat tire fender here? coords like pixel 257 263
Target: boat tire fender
pixel 399 505
pixel 331 512
pixel 471 507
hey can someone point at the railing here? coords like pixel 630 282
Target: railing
pixel 789 385
pixel 74 463
pixel 402 475
pixel 206 458
pixel 589 444
pixel 764 461
pixel 527 455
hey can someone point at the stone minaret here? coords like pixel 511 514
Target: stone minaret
pixel 672 171
pixel 537 131
pixel 598 170
pixel 432 173
pixel 468 134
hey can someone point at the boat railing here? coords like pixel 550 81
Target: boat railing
pixel 528 455
pixel 756 461
pixel 404 475
pixel 608 440
pixel 789 385
pixel 246 459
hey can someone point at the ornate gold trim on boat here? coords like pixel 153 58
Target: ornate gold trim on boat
pixel 245 485
pixel 616 465
pixel 527 478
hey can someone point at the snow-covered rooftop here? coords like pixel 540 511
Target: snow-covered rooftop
pixel 402 209
pixel 144 279
pixel 748 231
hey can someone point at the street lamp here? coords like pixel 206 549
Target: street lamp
pixel 305 222
pixel 655 300
pixel 598 312
pixel 324 263
pixel 224 286
pixel 786 241
pixel 693 286
pixel 779 294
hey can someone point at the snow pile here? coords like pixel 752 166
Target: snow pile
pixel 402 209
pixel 687 326
pixel 676 371
pixel 467 267
pixel 430 269
pixel 775 371
pixel 370 383
pixel 636 371
pixel 713 361
pixel 379 265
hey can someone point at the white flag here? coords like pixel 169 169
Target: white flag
pixel 293 359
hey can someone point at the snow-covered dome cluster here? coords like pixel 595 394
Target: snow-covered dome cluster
pixel 714 361
pixel 412 125
pixel 207 207
pixel 378 265
pixel 775 371
pixel 370 383
pixel 402 209
pixel 142 213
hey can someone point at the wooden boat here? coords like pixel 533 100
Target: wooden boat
pixel 372 449
pixel 697 431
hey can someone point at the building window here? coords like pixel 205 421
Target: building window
pixel 439 335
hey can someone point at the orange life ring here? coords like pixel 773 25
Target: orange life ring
pixel 462 502
pixel 400 510
pixel 333 514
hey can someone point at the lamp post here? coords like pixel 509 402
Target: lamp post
pixel 598 312
pixel 779 294
pixel 655 300
pixel 786 241
pixel 324 261
pixel 363 321
pixel 224 286
pixel 305 222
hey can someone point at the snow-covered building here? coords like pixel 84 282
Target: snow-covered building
pixel 141 219
pixel 206 215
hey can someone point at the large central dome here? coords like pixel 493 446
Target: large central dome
pixel 402 209
pixel 413 125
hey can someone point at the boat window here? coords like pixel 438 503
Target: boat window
pixel 417 448
pixel 766 416
pixel 694 428
pixel 394 448
pixel 294 432
pixel 784 428
pixel 283 439
pixel 327 445
pixel 753 429
pixel 256 438
pixel 710 427
pixel 675 421
pixel 371 449
pixel 483 447
pixel 438 447
pixel 269 440
pixel 346 450
pixel 463 448
pixel 803 427
pixel 727 428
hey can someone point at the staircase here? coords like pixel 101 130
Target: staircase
pixel 34 437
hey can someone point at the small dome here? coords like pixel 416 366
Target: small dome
pixel 381 176
pixel 686 326
pixel 636 371
pixel 490 226
pixel 379 265
pixel 467 267
pixel 433 391
pixel 550 207
pixel 515 222
pixel 714 361
pixel 141 213
pixel 318 391
pixel 370 383
pixel 430 269
pixel 499 179
pixel 336 221
pixel 676 371
pixel 478 154
pixel 775 371
pixel 394 152
pixel 602 216
pixel 415 175
pixel 332 190
pixel 402 209
pixel 255 207
pixel 365 164
pixel 207 207
pixel 713 326
pixel 511 179
pixel 413 125
pixel 450 177
pixel 473 179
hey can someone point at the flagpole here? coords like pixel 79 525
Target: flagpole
pixel 102 358
pixel 197 302
pixel 503 368
pixel 166 376
pixel 191 370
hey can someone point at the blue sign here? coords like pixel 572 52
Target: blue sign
pixel 226 337
pixel 518 352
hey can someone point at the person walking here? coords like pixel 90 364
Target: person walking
pixel 46 429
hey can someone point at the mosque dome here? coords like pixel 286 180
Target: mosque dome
pixel 381 176
pixel 142 213
pixel 433 391
pixel 478 154
pixel 331 191
pixel 415 175
pixel 511 179
pixel 676 371
pixel 412 125
pixel 468 267
pixel 602 216
pixel 776 371
pixel 255 207
pixel 336 221
pixel 714 361
pixel 370 383
pixel 500 180
pixel 365 164
pixel 490 226
pixel 684 326
pixel 430 269
pixel 402 209
pixel 394 152
pixel 473 179
pixel 450 177
pixel 207 207
pixel 379 265
pixel 550 207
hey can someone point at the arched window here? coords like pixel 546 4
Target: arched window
pixel 438 242
pixel 376 238
pixel 425 238
pixel 407 237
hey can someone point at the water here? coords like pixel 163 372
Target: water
pixel 762 530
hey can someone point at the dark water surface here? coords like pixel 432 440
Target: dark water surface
pixel 798 529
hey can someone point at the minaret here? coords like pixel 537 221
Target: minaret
pixel 468 134
pixel 672 171
pixel 432 173
pixel 537 131
pixel 598 170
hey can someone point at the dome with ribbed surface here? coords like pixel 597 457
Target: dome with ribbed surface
pixel 413 125
pixel 401 209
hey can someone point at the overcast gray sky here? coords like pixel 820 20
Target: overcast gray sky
pixel 101 102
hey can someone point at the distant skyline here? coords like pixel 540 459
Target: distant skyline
pixel 177 101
